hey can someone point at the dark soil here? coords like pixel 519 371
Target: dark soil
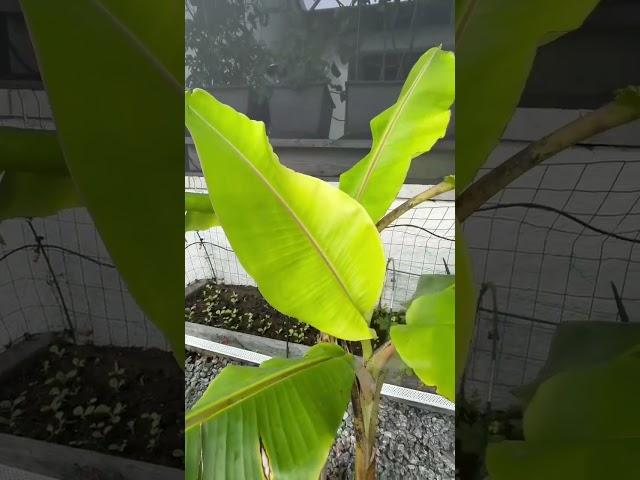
pixel 121 401
pixel 244 309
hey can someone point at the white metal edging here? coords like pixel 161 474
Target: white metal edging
pixel 396 392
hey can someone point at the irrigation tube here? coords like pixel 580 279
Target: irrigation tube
pixel 402 394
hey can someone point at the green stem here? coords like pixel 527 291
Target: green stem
pixel 413 202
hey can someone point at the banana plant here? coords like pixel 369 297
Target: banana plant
pixel 315 253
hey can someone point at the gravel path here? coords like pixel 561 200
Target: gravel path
pixel 412 443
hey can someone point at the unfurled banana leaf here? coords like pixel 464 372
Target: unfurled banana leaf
pixel 426 343
pixel 583 423
pixel 405 130
pixel 313 251
pixel 198 214
pixel 116 123
pixel 35 151
pixel 288 409
pixel 25 194
pixel 496 42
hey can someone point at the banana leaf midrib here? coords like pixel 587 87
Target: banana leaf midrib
pixel 201 415
pixel 382 143
pixel 287 208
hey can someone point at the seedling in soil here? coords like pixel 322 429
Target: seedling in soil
pixel 78 362
pixel 57 350
pixel 12 407
pixel 154 429
pixel 55 429
pixel 115 381
pixel 118 447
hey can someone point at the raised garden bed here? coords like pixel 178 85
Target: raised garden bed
pixel 126 402
pixel 243 309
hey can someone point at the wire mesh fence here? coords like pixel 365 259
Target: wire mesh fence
pixel 558 245
pixel 55 273
pixel 420 242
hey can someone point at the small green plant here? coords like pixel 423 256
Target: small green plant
pixel 13 409
pixel 154 429
pixel 315 253
pixel 115 377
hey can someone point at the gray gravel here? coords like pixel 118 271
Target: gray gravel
pixel 413 443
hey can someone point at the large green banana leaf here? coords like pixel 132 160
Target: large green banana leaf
pixel 496 42
pixel 27 150
pixel 116 116
pixel 581 344
pixel 405 130
pixel 313 250
pixel 465 302
pixel 26 194
pixel 427 342
pixel 199 214
pixel 583 423
pixel 289 408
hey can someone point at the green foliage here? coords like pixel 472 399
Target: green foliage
pixel 582 344
pixel 408 128
pixel 27 150
pixel 198 212
pixel 121 140
pixel 629 96
pixel 300 54
pixel 313 251
pixel 289 408
pixel 221 46
pixel 426 343
pixel 496 42
pixel 26 194
pixel 34 180
pixel 582 423
pixel 465 303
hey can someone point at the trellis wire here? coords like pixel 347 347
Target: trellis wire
pixel 552 243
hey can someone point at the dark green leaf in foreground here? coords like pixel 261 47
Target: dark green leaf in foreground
pixel 35 151
pixel 582 344
pixel 582 423
pixel 291 409
pixel 427 342
pixel 116 117
pixel 25 194
pixel 465 303
pixel 496 43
